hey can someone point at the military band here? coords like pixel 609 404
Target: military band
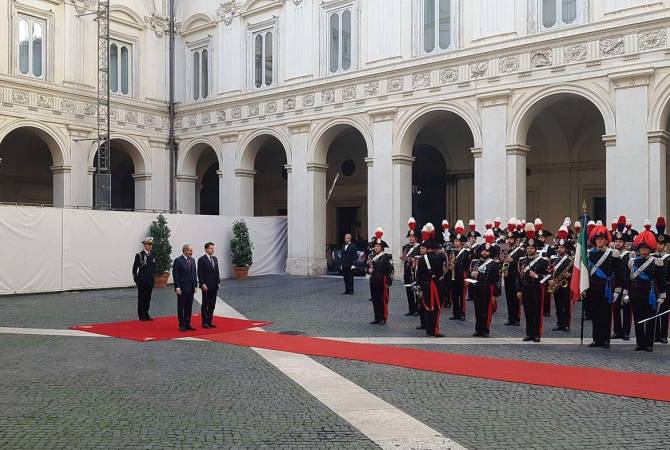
pixel 531 285
pixel 485 276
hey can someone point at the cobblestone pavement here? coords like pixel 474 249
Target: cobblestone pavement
pixel 67 392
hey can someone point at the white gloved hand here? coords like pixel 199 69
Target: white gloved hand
pixel 625 299
pixel 660 300
pixel 615 297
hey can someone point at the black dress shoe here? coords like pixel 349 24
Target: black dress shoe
pixel 485 335
pixel 617 336
pixel 664 341
pixel 517 324
pixel 374 322
pixel 143 319
pixel 205 326
pixel 438 335
pixel 536 339
pixel 476 334
pixel 557 329
pixel 182 329
pixel 149 318
pixel 649 349
pixel 211 325
pixel 566 329
pixel 351 293
pixel 369 299
pixel 527 339
pixel 420 328
pixel 454 318
pixel 190 328
pixel 593 344
pixel 626 337
pixel 547 315
pixel 639 348
pixel 606 345
pixel 508 323
pixel 409 313
pixel 382 322
pixel 415 313
pixel 462 318
pixel 344 293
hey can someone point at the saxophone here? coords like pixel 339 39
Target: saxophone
pixel 504 253
pixel 560 281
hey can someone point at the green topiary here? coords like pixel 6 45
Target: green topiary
pixel 162 249
pixel 240 246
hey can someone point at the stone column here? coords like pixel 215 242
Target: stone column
pixel 142 191
pixel 229 200
pixel 516 180
pixel 80 179
pixel 479 188
pixel 316 218
pixel 630 156
pixel 298 204
pixel 380 176
pixel 62 189
pixel 245 184
pixel 186 193
pixel 159 197
pixel 493 165
pixel 402 205
pixel 658 145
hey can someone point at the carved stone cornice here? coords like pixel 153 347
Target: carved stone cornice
pixel 245 173
pixel 494 98
pixel 517 150
pixel 317 167
pixel 79 132
pixel 383 115
pixel 160 25
pixel 229 137
pixel 300 127
pixel 658 137
pixel 158 142
pixel 403 160
pixel 631 79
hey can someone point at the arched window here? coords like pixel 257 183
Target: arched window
pixel 558 13
pixel 340 37
pixel 31 49
pixel 120 64
pixel 264 47
pixel 437 25
pixel 200 74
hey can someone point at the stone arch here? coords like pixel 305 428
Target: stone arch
pixel 660 110
pixel 197 21
pixel 528 108
pixel 252 143
pixel 411 125
pixel 54 140
pixel 188 158
pixel 325 133
pixel 132 147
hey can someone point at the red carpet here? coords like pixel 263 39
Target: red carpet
pixel 604 381
pixel 165 328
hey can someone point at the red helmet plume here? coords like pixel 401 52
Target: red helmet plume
pixel 411 223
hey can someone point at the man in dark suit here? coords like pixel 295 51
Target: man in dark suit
pixel 185 284
pixel 209 279
pixel 143 274
pixel 349 256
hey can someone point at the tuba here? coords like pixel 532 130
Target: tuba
pixel 561 281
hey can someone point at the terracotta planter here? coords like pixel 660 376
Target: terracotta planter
pixel 241 273
pixel 161 279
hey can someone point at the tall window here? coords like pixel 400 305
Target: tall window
pixel 437 25
pixel 120 55
pixel 200 74
pixel 263 58
pixel 558 13
pixel 31 46
pixel 340 26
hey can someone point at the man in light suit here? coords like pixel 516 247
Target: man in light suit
pixel 185 284
pixel 349 255
pixel 208 276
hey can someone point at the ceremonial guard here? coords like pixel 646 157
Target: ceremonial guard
pixel 602 261
pixel 448 250
pixel 497 231
pixel 622 314
pixel 430 273
pixel 408 258
pixel 485 272
pixel 662 241
pixel 473 235
pixel 380 270
pixel 560 283
pixel 460 263
pixel 546 251
pixel 143 273
pixel 510 268
pixel 532 270
pixel 647 284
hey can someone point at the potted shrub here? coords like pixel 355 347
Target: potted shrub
pixel 240 249
pixel 162 249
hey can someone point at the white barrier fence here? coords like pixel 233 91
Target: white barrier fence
pixel 52 249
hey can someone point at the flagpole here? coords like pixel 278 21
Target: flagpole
pixel 583 297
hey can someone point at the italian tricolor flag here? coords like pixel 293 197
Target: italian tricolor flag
pixel 580 272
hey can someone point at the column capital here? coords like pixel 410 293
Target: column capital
pixel 517 149
pixel 496 98
pixel 476 152
pixel 142 176
pixel 248 173
pixel 229 137
pixel 60 169
pixel 79 132
pixel 403 160
pixel 630 79
pixel 299 127
pixel 158 142
pixel 316 167
pixel 187 179
pixel 370 161
pixel 609 140
pixel 219 173
pixel 383 115
pixel 288 168
pixel 658 137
